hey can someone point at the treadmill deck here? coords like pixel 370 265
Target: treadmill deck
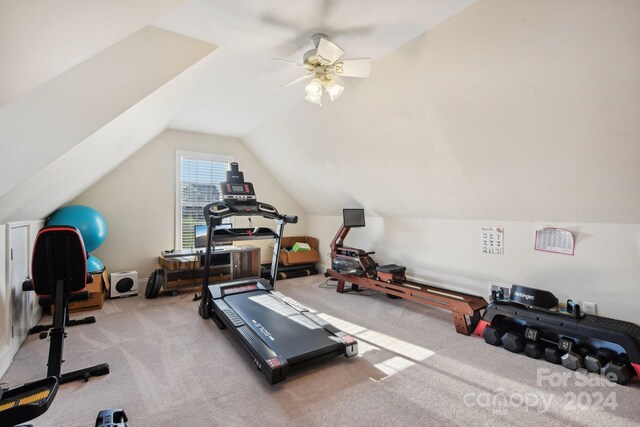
pixel 287 331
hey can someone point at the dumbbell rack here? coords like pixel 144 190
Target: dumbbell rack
pixel 568 338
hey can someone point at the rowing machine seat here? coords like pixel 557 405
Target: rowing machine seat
pixel 391 269
pixel 390 272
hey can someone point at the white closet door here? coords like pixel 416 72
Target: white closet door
pixel 18 271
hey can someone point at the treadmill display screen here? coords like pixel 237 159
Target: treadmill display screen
pixel 237 188
pixel 353 217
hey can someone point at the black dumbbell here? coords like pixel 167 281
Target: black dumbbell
pixel 534 347
pixel 535 350
pixel 532 334
pixel 617 372
pixel 552 355
pixel 567 345
pixel 493 335
pixel 571 359
pixel 513 341
pixel 595 362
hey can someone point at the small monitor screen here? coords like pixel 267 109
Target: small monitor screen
pixel 237 188
pixel 201 234
pixel 353 217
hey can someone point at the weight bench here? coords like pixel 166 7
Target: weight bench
pixel 59 276
pixel 59 272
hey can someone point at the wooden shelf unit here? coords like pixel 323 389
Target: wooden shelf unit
pixel 227 263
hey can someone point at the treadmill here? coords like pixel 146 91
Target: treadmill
pixel 274 329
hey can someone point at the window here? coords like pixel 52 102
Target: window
pixel 198 177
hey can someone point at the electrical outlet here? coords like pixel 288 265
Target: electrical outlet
pixel 494 286
pixel 589 307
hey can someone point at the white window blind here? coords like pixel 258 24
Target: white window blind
pixel 199 184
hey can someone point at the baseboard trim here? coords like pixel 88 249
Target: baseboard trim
pixel 5 359
pixel 35 317
pixel 5 350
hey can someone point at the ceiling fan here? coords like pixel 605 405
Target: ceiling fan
pixel 325 69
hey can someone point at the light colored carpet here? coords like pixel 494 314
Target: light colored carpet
pixel 171 368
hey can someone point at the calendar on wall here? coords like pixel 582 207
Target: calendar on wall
pixel 556 240
pixel 492 240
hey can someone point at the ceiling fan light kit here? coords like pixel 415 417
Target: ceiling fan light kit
pixel 314 91
pixel 334 88
pixel 324 68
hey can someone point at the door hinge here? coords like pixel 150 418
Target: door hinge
pixel 11 254
pixel 12 334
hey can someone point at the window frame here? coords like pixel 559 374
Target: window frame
pixel 194 155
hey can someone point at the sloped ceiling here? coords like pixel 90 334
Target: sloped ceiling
pixel 508 110
pixel 61 137
pixel 243 88
pixel 84 84
pixel 41 39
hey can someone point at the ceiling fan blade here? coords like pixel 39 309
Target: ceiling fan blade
pixel 286 61
pixel 328 52
pixel 354 68
pixel 299 79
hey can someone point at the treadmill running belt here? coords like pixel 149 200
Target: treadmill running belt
pixel 288 332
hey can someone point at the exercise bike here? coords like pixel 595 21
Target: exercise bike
pixel 356 266
pixel 60 276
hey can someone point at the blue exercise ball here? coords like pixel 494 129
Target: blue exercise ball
pixel 89 221
pixel 94 265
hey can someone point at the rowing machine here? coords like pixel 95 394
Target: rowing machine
pixel 356 266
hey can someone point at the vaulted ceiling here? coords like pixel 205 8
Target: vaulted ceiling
pixel 65 126
pixel 86 83
pixel 524 111
pixel 513 110
pixel 242 89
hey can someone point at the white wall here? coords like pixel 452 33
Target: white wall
pixel 518 114
pixel 31 300
pixel 604 269
pixel 36 310
pixel 137 198
pixel 518 110
pixel 5 299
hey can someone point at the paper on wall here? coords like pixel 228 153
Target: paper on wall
pixel 556 240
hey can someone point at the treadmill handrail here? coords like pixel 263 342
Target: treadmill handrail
pixel 215 212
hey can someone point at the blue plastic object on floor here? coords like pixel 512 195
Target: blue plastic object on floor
pixel 94 265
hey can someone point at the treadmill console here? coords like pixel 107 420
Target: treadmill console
pixel 235 189
pixel 239 198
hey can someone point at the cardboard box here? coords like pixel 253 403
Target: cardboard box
pixel 293 258
pixel 97 293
